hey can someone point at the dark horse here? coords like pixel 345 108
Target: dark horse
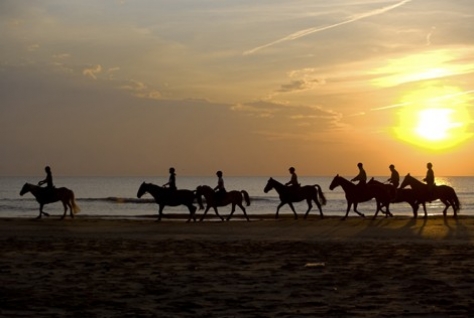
pixel 399 195
pixel 213 200
pixel 46 196
pixel 424 194
pixel 290 194
pixel 166 197
pixel 356 194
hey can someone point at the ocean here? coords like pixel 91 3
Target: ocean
pixel 115 197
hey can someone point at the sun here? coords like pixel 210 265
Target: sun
pixel 434 118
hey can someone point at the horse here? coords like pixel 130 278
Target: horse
pixel 399 195
pixel 356 194
pixel 212 200
pixel 290 194
pixel 423 193
pixel 46 196
pixel 166 197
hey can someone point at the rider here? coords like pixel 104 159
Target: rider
pixel 220 189
pixel 395 177
pixel 294 178
pixel 172 180
pixel 48 180
pixel 362 177
pixel 430 178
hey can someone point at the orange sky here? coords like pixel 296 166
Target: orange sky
pixel 250 88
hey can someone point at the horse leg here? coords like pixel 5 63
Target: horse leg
pixel 309 208
pixel 243 209
pixel 355 209
pixel 205 212
pixel 445 210
pixel 192 211
pixel 65 211
pixel 41 212
pixel 278 209
pixel 349 204
pixel 217 213
pixel 160 211
pixel 293 209
pixel 424 209
pixel 320 209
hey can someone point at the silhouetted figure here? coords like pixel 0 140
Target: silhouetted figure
pixel 394 177
pixel 430 179
pixel 48 180
pixel 220 189
pixel 171 185
pixel 362 177
pixel 294 178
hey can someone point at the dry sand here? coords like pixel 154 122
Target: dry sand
pixel 266 268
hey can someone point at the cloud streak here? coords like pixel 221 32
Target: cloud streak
pixel 306 32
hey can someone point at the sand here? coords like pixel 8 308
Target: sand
pixel 266 268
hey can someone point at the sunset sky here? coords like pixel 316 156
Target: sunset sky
pixel 248 87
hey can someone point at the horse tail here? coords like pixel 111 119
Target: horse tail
pixel 456 201
pixel 321 194
pixel 246 197
pixel 74 207
pixel 198 197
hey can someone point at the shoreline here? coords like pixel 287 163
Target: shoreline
pixel 89 267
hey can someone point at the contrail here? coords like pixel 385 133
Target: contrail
pixel 309 31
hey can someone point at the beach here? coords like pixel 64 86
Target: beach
pixel 96 267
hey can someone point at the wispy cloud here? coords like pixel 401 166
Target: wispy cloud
pixel 306 32
pixel 92 71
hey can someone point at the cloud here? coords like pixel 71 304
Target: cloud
pixel 141 90
pixel 92 71
pixel 306 32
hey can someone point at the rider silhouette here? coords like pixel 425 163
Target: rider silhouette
pixel 294 178
pixel 394 177
pixel 172 180
pixel 362 177
pixel 430 178
pixel 220 189
pixel 48 180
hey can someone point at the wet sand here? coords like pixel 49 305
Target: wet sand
pixel 266 268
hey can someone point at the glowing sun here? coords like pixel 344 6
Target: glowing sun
pixel 434 118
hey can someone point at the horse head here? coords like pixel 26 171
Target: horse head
pixel 335 182
pixel 269 185
pixel 406 181
pixel 25 189
pixel 142 190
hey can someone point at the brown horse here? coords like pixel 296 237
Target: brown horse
pixel 424 193
pixel 46 196
pixel 289 195
pixel 356 194
pixel 399 195
pixel 213 200
pixel 166 197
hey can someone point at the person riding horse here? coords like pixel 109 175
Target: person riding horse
pixel 49 189
pixel 171 185
pixel 220 189
pixel 394 177
pixel 430 179
pixel 294 178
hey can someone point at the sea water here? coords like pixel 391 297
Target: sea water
pixel 116 197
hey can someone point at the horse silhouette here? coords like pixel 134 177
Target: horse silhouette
pixel 425 193
pixel 399 195
pixel 290 194
pixel 212 200
pixel 166 197
pixel 356 194
pixel 50 195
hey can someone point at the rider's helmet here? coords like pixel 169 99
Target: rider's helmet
pixel 172 170
pixel 291 169
pixel 219 173
pixel 429 165
pixel 360 165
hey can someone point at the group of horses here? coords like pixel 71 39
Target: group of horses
pixel 384 194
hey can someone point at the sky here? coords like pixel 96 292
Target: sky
pixel 131 88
